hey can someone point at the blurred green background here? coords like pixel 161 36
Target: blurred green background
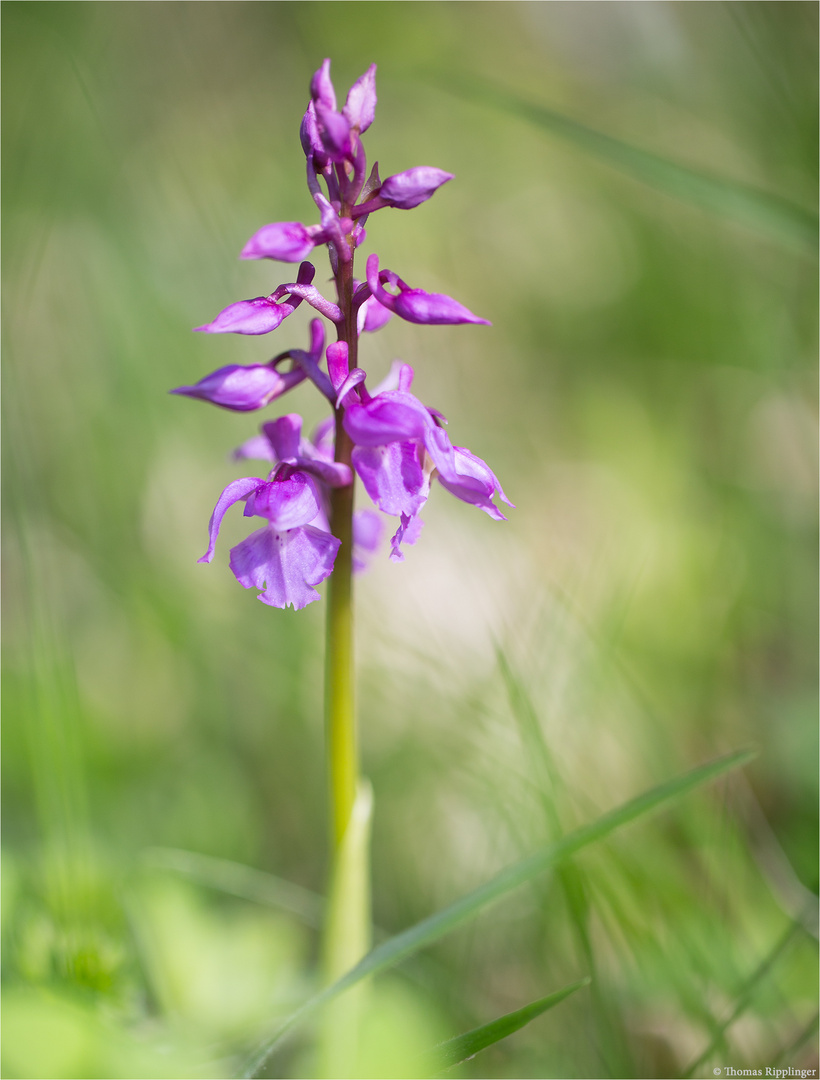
pixel 646 395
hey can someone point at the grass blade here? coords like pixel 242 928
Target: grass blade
pixel 242 881
pixel 438 925
pixel 745 997
pixel 463 1047
pixel 780 218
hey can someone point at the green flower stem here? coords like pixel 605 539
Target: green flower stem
pixel 346 936
pixel 340 706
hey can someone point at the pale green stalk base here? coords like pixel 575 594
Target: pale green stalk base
pixel 347 939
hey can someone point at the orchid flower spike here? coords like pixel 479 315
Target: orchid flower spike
pixel 394 443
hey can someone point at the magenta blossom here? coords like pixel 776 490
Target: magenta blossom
pixel 399 443
pixel 282 442
pixel 415 305
pixel 288 556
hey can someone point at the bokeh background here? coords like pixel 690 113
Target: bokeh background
pixel 644 247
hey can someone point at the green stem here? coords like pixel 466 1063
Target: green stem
pixel 346 936
pixel 340 706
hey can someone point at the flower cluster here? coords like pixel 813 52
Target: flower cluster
pixel 394 443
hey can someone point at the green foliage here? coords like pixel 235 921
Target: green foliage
pixel 466 1046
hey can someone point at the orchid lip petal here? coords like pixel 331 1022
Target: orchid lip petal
pixel 393 476
pixel 407 532
pixel 285 564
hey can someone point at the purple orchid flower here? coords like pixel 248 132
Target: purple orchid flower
pixel 244 388
pixel 288 556
pixel 282 442
pixel 404 190
pixel 287 241
pixel 328 135
pixel 398 444
pixel 415 305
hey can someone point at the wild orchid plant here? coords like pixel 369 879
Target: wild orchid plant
pixel 395 444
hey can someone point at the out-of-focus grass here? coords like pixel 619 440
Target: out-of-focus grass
pixel 646 395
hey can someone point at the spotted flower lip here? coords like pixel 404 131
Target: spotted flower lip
pixel 289 556
pixel 285 565
pixel 415 305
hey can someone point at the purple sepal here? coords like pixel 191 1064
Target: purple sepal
pixel 394 416
pixel 265 313
pixel 285 564
pixel 368 529
pixel 321 86
pixel 242 388
pixel 337 363
pixel 412 187
pixel 257 448
pixel 393 476
pixel 360 108
pixel 474 482
pixel 399 377
pixel 415 305
pixel 257 316
pixel 408 532
pixel 334 131
pixel 238 489
pixel 287 241
pixel 372 316
pixel 311 140
pixel 324 437
pixel 287 501
pixel 285 437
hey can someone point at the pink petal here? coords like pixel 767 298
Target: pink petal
pixel 257 316
pixel 286 564
pixel 360 107
pixel 288 241
pixel 407 189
